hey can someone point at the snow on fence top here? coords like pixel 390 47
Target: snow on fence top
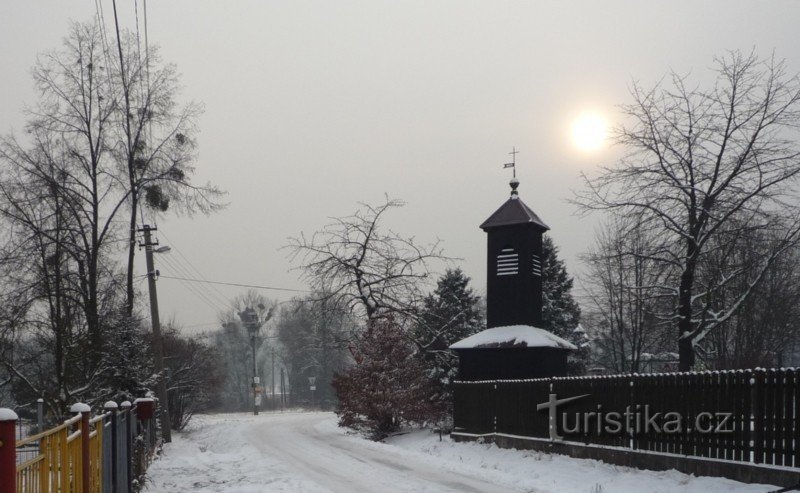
pixel 513 336
pixel 80 407
pixel 636 376
pixel 7 414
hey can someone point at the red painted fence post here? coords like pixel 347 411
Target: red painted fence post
pixel 8 450
pixel 86 432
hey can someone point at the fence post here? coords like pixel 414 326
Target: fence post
pixel 8 450
pixel 39 415
pixel 112 408
pixel 126 409
pixel 86 432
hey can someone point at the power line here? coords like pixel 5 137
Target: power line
pixel 101 21
pixel 195 290
pixel 183 271
pixel 255 286
pixel 195 269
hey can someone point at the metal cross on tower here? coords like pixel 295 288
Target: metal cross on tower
pixel 513 163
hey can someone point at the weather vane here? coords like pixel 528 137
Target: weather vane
pixel 513 163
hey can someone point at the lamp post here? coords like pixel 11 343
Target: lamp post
pixel 252 322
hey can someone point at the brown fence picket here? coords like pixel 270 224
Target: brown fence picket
pixel 788 419
pixel 757 416
pixel 769 417
pixel 793 439
pixel 736 392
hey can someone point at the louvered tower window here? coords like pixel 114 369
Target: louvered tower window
pixel 537 266
pixel 507 262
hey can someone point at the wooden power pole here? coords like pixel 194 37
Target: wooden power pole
pixel 158 341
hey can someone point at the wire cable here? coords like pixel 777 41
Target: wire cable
pixel 254 286
pixel 220 301
pixel 194 289
pixel 193 268
pixel 101 24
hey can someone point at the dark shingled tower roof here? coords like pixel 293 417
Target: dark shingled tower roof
pixel 514 211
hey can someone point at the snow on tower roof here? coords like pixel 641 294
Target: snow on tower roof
pixel 513 336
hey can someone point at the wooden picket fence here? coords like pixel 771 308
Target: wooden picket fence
pixel 749 416
pixel 84 454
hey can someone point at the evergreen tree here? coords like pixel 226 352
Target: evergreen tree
pixel 560 312
pixel 451 313
pixel 387 387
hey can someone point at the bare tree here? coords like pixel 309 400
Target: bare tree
pixel 314 338
pixel 63 194
pixel 702 163
pixel 359 265
pixel 624 294
pixel 234 346
pixel 152 138
pixel 195 375
pixel 767 324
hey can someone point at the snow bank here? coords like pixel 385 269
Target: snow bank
pixel 529 470
pixel 513 336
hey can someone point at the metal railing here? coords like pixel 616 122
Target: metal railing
pixel 105 453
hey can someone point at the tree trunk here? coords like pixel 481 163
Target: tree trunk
pixel 131 253
pixel 685 347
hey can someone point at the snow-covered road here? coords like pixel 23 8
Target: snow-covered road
pixel 306 452
pixel 296 452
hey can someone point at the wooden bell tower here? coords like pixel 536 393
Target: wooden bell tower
pixel 515 345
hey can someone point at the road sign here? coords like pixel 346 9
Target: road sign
pixel 313 388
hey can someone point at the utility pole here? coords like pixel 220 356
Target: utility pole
pixel 256 381
pixel 158 342
pixel 253 322
pixel 283 392
pixel 274 397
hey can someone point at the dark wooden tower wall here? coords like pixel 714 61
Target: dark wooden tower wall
pixel 514 276
pixel 511 363
pixel 514 270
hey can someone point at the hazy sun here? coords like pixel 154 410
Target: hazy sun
pixel 589 132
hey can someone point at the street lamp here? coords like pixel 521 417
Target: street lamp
pixel 252 322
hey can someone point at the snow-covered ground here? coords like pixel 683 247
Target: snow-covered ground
pixel 307 452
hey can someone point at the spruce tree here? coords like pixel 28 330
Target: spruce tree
pixel 560 312
pixel 451 313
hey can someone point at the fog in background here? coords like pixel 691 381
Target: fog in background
pixel 312 107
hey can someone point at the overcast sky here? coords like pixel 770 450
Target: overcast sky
pixel 312 107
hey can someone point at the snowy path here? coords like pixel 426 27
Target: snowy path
pixel 306 452
pixel 298 452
